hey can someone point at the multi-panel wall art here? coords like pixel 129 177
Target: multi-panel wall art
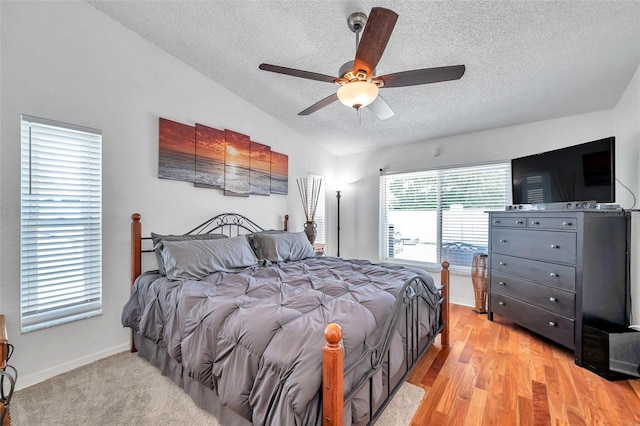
pixel 177 151
pixel 221 159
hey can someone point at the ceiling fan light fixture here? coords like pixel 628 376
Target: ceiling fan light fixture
pixel 357 94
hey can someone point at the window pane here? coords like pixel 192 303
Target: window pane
pixel 440 215
pixel 320 208
pixel 61 254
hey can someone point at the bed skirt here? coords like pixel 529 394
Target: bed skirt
pixel 203 396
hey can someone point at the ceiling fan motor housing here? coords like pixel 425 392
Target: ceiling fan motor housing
pixel 357 21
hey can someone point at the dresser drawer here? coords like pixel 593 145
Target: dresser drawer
pixel 560 276
pixel 547 324
pixel 509 222
pixel 544 245
pixel 542 296
pixel 565 223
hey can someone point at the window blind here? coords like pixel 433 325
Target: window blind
pixel 437 215
pixel 61 223
pixel 320 209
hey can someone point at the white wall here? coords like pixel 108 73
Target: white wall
pixel 67 61
pixel 627 125
pixel 359 204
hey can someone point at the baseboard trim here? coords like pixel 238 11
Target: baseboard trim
pixel 463 301
pixel 40 376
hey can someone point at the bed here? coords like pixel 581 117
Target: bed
pixel 279 336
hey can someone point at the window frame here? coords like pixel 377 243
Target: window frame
pixel 384 247
pixel 60 223
pixel 320 218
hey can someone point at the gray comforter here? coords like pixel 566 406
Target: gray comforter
pixel 255 337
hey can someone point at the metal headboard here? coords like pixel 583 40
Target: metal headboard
pixel 229 224
pixel 234 223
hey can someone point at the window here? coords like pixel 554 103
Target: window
pixel 439 215
pixel 60 223
pixel 320 210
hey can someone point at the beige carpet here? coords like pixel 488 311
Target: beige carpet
pixel 126 390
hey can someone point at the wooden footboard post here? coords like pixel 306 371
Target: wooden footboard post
pixel 444 281
pixel 332 377
pixel 136 256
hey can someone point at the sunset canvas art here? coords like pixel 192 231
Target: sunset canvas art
pixel 223 159
pixel 237 164
pixel 177 151
pixel 279 173
pixel 260 176
pixel 210 156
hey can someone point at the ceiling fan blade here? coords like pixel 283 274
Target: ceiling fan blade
pixel 380 108
pixel 377 32
pixel 423 76
pixel 297 73
pixel 320 104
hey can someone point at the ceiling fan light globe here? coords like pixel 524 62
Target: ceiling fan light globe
pixel 357 94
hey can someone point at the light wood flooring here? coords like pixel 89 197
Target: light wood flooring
pixel 497 373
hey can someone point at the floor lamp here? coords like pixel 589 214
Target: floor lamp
pixel 338 197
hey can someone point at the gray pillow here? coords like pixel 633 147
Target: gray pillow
pixel 157 244
pixel 283 247
pixel 195 259
pixel 253 242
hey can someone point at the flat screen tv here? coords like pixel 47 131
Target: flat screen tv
pixel 584 172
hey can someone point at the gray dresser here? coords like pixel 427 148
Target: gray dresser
pixel 550 271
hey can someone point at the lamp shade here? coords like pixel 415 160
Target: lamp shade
pixel 357 94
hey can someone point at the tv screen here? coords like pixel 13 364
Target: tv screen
pixel 584 172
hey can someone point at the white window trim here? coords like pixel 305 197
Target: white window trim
pixel 384 239
pixel 61 223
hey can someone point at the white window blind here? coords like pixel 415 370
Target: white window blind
pixel 438 215
pixel 61 223
pixel 320 209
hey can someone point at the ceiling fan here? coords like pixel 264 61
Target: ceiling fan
pixel 357 80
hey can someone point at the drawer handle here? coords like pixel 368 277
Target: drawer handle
pixel 503 264
pixel 555 246
pixel 503 241
pixel 553 274
pixel 552 323
pixel 552 299
pixel 519 222
pixel 501 303
pixel 535 222
pixel 566 223
pixel 496 221
pixel 502 283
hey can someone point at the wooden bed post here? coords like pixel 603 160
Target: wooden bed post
pixel 444 281
pixel 136 256
pixel 286 222
pixel 332 376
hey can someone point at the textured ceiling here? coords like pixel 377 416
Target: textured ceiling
pixel 525 60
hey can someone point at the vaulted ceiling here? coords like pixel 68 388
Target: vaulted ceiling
pixel 525 60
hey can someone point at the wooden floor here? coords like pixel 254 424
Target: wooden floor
pixel 497 373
